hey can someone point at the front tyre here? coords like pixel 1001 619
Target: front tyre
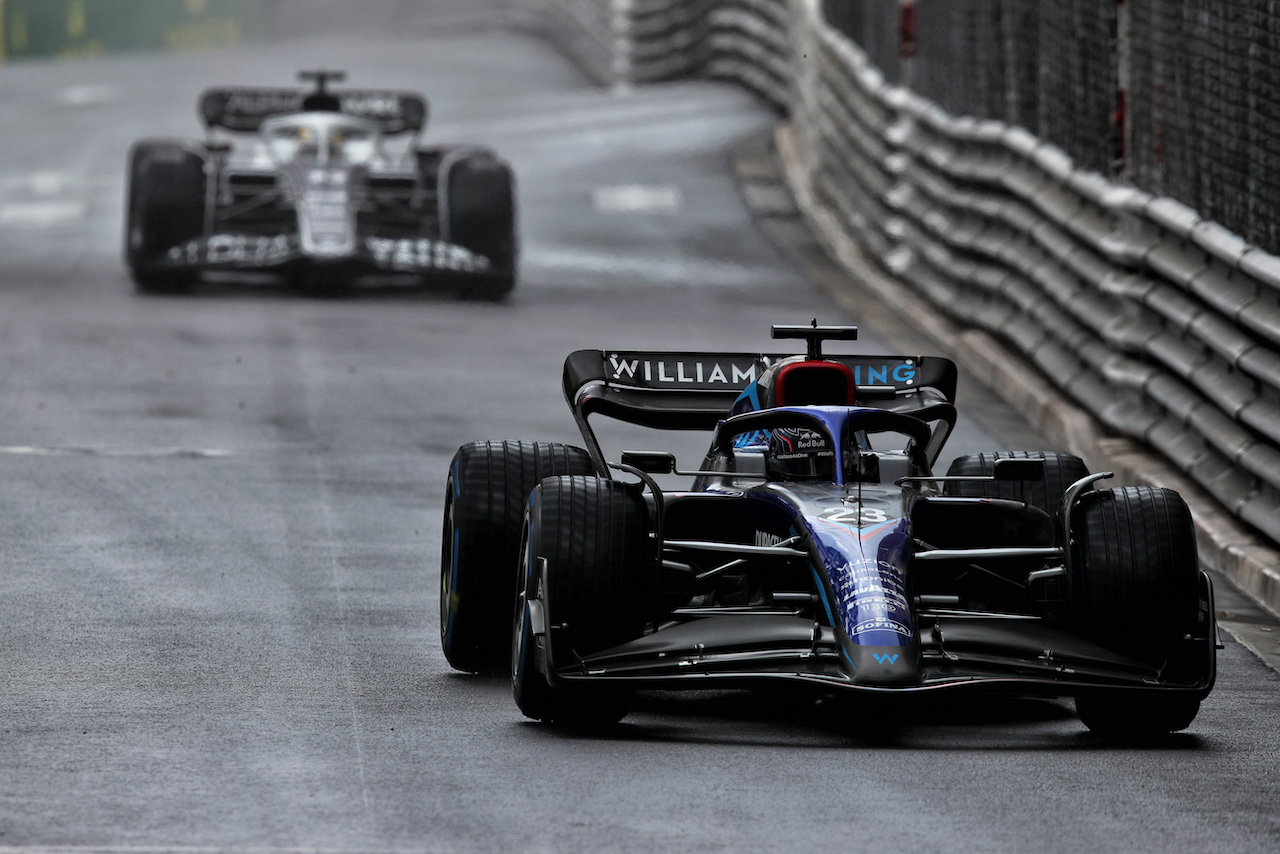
pixel 165 208
pixel 1119 715
pixel 1137 593
pixel 586 584
pixel 479 213
pixel 485 495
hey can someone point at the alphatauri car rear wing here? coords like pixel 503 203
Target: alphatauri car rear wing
pixel 695 391
pixel 244 109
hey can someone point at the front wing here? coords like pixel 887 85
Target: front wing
pixel 958 651
pixel 369 255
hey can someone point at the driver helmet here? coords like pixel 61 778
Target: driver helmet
pixel 798 453
pixel 308 145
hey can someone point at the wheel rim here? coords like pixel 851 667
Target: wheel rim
pixel 519 642
pixel 448 566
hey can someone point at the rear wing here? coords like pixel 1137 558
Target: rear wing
pixel 694 391
pixel 243 110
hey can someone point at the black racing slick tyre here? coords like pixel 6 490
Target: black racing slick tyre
pixel 488 485
pixel 587 581
pixel 1137 585
pixel 165 208
pixel 479 213
pixel 1060 471
pixel 1116 714
pixel 1137 593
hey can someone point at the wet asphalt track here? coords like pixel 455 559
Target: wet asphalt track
pixel 218 625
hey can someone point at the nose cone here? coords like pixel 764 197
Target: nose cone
pixel 326 216
pixel 884 665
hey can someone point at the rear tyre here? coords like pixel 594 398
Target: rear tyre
pixel 1060 471
pixel 588 570
pixel 480 214
pixel 488 485
pixel 1137 593
pixel 165 208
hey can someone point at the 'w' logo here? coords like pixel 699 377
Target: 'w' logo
pixel 886 658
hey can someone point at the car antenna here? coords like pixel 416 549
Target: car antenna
pixel 813 335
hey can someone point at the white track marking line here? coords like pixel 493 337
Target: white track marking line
pixel 1262 641
pixel 87 95
pixel 197 849
pixel 636 198
pixel 89 451
pixel 41 214
pixel 310 356
pixel 47 182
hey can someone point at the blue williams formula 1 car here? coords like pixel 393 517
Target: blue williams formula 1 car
pixel 312 190
pixel 814 547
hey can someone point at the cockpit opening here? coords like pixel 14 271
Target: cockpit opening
pixel 320 138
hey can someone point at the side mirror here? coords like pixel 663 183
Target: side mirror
pixel 650 462
pixel 1009 469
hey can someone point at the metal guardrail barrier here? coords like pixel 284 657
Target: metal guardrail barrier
pixel 1164 326
pixel 646 41
pixel 593 33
